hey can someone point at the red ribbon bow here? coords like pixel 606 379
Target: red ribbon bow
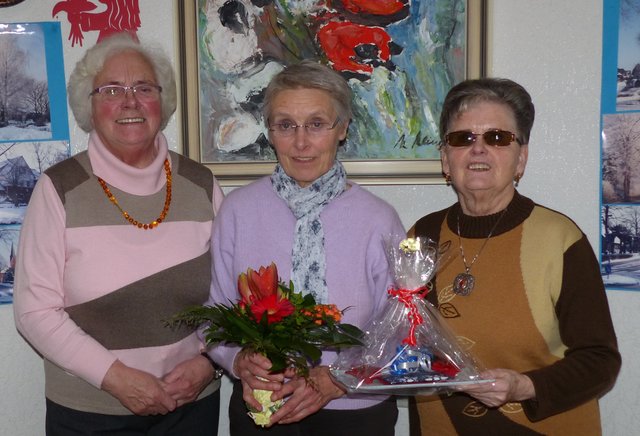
pixel 406 296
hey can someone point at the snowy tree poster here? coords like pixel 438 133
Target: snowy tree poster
pixel 620 146
pixel 34 131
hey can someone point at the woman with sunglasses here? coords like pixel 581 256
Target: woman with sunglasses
pixel 522 287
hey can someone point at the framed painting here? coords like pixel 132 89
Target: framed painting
pixel 400 58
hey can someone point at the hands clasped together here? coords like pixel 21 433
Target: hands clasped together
pixel 146 394
pixel 304 396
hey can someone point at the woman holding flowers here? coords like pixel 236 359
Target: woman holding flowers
pixel 324 232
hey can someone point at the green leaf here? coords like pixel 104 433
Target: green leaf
pixel 310 351
pixel 278 363
pixel 247 328
pixel 309 301
pixel 352 331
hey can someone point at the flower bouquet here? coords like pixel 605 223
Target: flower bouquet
pixel 408 348
pixel 289 328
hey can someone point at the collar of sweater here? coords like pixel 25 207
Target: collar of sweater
pixel 136 181
pixel 517 211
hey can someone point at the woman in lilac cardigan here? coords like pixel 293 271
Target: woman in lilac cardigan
pixel 325 233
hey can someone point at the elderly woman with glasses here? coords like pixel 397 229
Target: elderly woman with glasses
pixel 324 232
pixel 522 287
pixel 116 239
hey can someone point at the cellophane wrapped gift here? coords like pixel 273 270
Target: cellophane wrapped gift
pixel 408 349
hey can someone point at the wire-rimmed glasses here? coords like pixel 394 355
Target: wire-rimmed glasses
pixel 287 129
pixel 143 91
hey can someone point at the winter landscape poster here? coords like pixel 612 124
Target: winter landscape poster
pixel 21 164
pixel 34 132
pixel 32 85
pixel 8 245
pixel 620 146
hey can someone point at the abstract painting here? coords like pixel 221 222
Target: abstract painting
pixel 400 58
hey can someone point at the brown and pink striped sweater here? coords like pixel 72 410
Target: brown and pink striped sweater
pixel 91 288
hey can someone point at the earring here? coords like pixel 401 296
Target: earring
pixel 517 179
pixel 447 179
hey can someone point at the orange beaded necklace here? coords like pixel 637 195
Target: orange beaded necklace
pixel 133 221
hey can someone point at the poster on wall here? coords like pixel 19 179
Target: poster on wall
pixel 33 102
pixel 620 146
pixel 34 132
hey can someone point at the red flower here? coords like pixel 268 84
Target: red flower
pixel 380 7
pixel 264 282
pixel 261 294
pixel 289 328
pixel 343 42
pixel 257 285
pixel 275 307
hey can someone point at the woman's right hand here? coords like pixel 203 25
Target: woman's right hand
pixel 253 371
pixel 305 396
pixel 138 391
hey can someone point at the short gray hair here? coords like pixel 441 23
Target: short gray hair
pixel 496 90
pixel 309 74
pixel 81 79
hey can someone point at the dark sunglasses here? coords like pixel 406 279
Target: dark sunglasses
pixel 465 138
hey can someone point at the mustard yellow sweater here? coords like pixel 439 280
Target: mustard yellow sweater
pixel 538 307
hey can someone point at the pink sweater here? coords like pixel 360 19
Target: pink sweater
pixel 79 261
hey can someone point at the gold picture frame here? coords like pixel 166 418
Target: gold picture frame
pixel 371 172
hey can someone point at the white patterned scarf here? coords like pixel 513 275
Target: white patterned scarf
pixel 308 256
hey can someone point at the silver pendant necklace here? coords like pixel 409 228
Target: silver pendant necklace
pixel 464 282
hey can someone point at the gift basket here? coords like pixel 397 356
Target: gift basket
pixel 408 349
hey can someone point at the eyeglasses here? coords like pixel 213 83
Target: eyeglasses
pixel 143 91
pixel 465 138
pixel 286 129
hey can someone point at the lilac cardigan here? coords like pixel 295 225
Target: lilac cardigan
pixel 255 227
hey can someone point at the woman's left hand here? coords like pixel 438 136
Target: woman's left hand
pixel 185 382
pixel 508 386
pixel 306 396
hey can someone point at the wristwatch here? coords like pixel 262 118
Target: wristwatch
pixel 217 371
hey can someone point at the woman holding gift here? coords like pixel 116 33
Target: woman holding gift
pixel 116 240
pixel 324 232
pixel 523 287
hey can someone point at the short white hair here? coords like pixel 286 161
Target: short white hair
pixel 81 80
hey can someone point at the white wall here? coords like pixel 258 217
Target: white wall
pixel 551 47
